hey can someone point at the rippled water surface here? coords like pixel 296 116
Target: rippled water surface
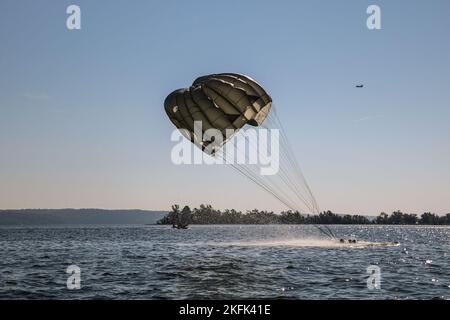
pixel 223 262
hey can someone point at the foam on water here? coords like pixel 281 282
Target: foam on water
pixel 305 243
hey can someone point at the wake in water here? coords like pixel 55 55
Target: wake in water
pixel 306 243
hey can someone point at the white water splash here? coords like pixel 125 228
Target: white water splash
pixel 305 243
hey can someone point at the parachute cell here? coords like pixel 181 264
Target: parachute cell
pixel 219 101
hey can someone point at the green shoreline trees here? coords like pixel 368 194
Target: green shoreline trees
pixel 206 214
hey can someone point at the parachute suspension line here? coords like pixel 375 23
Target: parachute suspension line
pixel 288 186
pixel 292 159
pixel 251 176
pixel 278 189
pixel 327 233
pixel 273 120
pixel 285 176
pixel 288 172
pixel 331 232
pixel 289 167
pixel 284 185
pixel 238 169
pixel 252 173
pixel 273 117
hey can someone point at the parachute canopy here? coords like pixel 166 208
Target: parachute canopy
pixel 230 101
pixel 219 101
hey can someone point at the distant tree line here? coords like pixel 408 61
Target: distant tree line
pixel 427 218
pixel 206 214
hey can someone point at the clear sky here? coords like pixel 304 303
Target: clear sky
pixel 82 122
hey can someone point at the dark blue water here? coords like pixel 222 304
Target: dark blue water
pixel 222 262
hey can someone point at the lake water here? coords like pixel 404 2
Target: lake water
pixel 223 262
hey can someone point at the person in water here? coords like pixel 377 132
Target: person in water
pixel 349 241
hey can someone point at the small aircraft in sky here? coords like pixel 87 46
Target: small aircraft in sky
pixel 360 86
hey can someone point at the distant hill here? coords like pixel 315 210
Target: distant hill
pixel 78 216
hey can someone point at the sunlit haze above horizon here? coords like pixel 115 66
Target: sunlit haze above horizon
pixel 82 122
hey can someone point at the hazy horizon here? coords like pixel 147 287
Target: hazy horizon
pixel 82 123
pixel 368 214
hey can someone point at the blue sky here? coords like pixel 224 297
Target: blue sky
pixel 82 122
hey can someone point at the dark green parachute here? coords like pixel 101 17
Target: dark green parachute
pixel 220 101
pixel 229 101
